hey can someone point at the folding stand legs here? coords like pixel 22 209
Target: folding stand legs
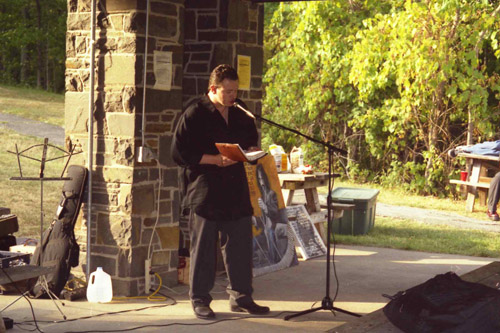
pixel 53 296
pixel 13 302
pixel 45 287
pixel 327 302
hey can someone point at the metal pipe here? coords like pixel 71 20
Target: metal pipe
pixel 143 130
pixel 91 131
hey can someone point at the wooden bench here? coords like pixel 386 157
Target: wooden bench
pixel 477 181
pixel 461 182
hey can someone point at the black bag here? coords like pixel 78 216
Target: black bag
pixel 6 242
pixel 446 303
pixel 58 245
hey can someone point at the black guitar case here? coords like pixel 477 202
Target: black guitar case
pixel 58 247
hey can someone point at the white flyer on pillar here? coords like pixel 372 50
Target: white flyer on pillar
pixel 163 70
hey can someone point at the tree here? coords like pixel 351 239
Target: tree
pixel 392 81
pixel 32 38
pixel 307 81
pixel 426 54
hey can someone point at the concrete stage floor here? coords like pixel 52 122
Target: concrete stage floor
pixel 364 273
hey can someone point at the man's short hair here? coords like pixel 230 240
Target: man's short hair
pixel 220 73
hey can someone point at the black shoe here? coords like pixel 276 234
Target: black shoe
pixel 493 216
pixel 203 311
pixel 250 307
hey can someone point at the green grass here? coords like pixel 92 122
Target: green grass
pixel 23 197
pixel 33 104
pixel 415 236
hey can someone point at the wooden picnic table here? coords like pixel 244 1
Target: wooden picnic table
pixel 478 179
pixel 291 182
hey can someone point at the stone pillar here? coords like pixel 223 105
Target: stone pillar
pixel 125 192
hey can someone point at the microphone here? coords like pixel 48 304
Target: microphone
pixel 250 114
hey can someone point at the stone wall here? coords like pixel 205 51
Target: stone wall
pixel 200 35
pixel 125 192
pixel 216 32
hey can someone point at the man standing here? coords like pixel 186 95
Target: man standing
pixel 214 192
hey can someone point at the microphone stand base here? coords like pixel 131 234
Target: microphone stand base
pixel 326 304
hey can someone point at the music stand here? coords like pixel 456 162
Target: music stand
pixel 43 179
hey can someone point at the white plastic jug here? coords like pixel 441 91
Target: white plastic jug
pixel 100 288
pixel 296 158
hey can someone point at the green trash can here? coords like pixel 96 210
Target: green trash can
pixel 361 219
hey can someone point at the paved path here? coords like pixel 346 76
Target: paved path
pixel 436 217
pixel 33 128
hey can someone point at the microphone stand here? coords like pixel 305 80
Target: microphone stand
pixel 327 302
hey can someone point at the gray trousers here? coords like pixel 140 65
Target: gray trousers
pixel 494 193
pixel 236 245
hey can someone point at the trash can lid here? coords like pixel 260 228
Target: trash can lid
pixel 354 193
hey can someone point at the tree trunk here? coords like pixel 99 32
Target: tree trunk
pixel 47 69
pixel 54 79
pixel 24 52
pixel 431 145
pixel 470 128
pixel 39 46
pixel 24 57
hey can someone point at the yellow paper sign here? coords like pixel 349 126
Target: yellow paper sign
pixel 244 71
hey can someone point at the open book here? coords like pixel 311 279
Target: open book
pixel 233 151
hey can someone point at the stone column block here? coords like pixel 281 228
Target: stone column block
pixel 131 262
pixel 169 237
pixel 78 21
pixel 119 69
pixel 125 198
pixel 76 112
pixel 114 174
pixel 124 5
pixel 121 124
pixel 143 200
pixel 114 230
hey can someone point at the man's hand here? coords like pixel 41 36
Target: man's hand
pixel 218 160
pixel 224 161
pixel 253 148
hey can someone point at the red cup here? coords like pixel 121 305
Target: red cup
pixel 463 175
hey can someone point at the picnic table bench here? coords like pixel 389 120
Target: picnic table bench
pixel 478 180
